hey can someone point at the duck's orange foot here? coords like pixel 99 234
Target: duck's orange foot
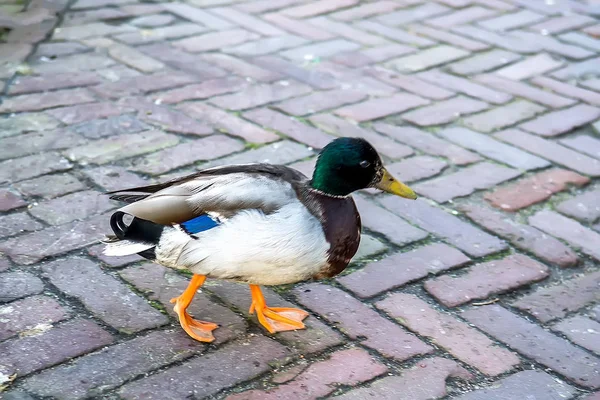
pixel 276 319
pixel 199 330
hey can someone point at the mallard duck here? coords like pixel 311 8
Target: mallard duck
pixel 258 224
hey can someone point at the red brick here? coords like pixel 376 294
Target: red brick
pixel 365 10
pixel 577 70
pixel 15 223
pixel 341 127
pixel 498 40
pixel 410 83
pixel 18 284
pixel 345 367
pixel 465 86
pixel 582 331
pixel 230 365
pixel 314 339
pixel 534 189
pixel 584 144
pixel 288 126
pixel 551 151
pixel 461 17
pixel 320 101
pixel 525 384
pixel 426 380
pixel 378 108
pixel 320 50
pixel 503 116
pixel 463 342
pixel 584 207
pixel 71 207
pixel 536 343
pixel 380 220
pixel 117 147
pixel 34 102
pixel 52 346
pixel 483 62
pixel 197 15
pixel 142 84
pixel 112 177
pixel 548 303
pixel 31 166
pixel 568 230
pixel 562 121
pixel 511 21
pixel 413 14
pixel 552 45
pixel 242 68
pixel 486 279
pixel 30 84
pixel 526 91
pixel 214 40
pixel 9 200
pixel 386 274
pixel 265 46
pixel 428 58
pixel 358 320
pixel 317 7
pixel 187 153
pixel 162 284
pixel 396 35
pixel 257 95
pixel 562 23
pixel 300 28
pixel 17 317
pixel 466 237
pixel 31 248
pixel 416 168
pixel 428 143
pixel 112 366
pixel 87 112
pixel 448 37
pixel 522 236
pixel 444 111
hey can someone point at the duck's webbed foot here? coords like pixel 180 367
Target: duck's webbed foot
pixel 199 330
pixel 275 319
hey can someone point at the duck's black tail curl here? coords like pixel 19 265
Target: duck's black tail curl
pixel 140 236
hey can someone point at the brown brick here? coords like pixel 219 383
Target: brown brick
pixel 117 147
pixel 465 181
pixel 257 95
pixel 486 279
pixel 562 121
pixel 52 346
pixel 143 84
pixel 365 10
pixel 15 223
pixel 186 153
pixel 214 40
pixel 466 237
pixel 483 62
pixel 448 37
pixel 197 15
pixel 300 28
pixel 265 46
pixel 34 102
pixel 228 123
pixel 526 91
pixel 356 320
pixel 426 59
pixel 317 7
pixel 463 342
pixel 31 84
pixel 511 21
pixel 426 380
pixel 536 343
pixel 551 151
pixel 345 367
pixel 92 374
pixel 230 365
pixel 162 284
pixel 103 295
pixel 428 143
pixel 582 331
pixel 386 274
pixel 341 127
pixel 416 168
pixel 396 35
pixel 71 207
pixel 461 17
pixel 18 284
pixel 87 112
pixel 17 317
pixel 378 108
pixel 9 200
pixel 465 86
pixel 568 230
pixel 410 83
pixel 319 101
pixel 505 42
pixel 562 23
pixel 584 207
pixel 534 189
pixel 31 166
pixel 528 383
pixel 444 111
pixel 413 14
pixel 393 227
pixel 503 116
pixel 522 236
pixel 320 50
pixel 288 126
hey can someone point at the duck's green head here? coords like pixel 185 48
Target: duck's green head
pixel 349 164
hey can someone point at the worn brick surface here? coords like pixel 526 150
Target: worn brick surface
pixel 537 343
pixel 15 285
pixel 584 144
pixel 503 116
pixel 416 168
pixel 582 331
pixel 584 207
pixel 71 207
pixel 30 313
pixel 10 200
pixel 562 121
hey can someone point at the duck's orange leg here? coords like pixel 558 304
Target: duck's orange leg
pixel 199 330
pixel 275 319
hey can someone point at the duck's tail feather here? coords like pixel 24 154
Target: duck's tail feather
pixel 138 237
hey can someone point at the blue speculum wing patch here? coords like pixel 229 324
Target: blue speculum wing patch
pixel 201 223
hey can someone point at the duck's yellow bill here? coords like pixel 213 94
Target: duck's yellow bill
pixel 391 185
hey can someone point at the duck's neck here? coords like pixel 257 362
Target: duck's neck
pixel 325 181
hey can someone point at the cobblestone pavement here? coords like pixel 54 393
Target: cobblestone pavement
pixel 487 287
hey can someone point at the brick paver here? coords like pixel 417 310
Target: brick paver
pixel 484 288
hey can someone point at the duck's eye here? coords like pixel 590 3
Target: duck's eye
pixel 365 164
